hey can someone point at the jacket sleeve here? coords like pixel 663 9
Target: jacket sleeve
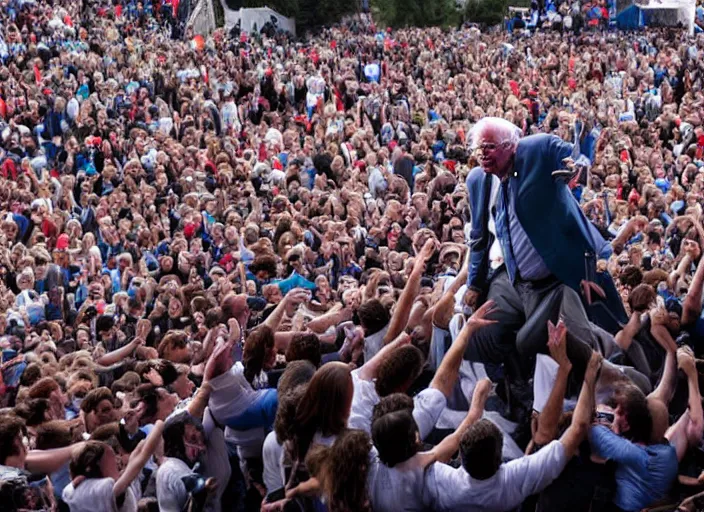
pixel 479 237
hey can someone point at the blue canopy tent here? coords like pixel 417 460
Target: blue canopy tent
pixel 634 15
pixel 630 18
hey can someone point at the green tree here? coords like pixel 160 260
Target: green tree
pixel 486 12
pixel 420 13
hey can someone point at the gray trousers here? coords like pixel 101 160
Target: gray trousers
pixel 521 332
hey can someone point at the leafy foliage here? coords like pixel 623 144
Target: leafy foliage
pixel 486 12
pixel 419 13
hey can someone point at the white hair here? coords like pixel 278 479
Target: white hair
pixel 94 252
pixel 505 130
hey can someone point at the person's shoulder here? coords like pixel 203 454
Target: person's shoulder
pixel 444 473
pixel 438 478
pixel 172 468
pixel 89 488
pixel 664 451
pixel 537 139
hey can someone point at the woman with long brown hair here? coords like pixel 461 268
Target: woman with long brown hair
pixel 325 408
pixel 321 417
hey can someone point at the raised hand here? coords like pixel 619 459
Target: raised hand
pixel 557 343
pixel 154 377
pixel 143 328
pixel 427 251
pixel 593 367
pixel 297 296
pixel 686 361
pixel 479 318
pixel 132 417
pixel 588 287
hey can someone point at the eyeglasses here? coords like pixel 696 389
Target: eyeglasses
pixel 490 147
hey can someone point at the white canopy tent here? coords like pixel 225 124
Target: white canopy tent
pixel 669 12
pixel 203 19
pixel 252 19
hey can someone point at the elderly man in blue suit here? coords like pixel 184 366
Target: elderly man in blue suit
pixel 532 249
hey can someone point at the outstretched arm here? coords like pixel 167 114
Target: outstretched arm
pixel 323 322
pixel 221 359
pixel 687 431
pixel 582 417
pixel 294 297
pixel 444 310
pixel 550 415
pixel 121 353
pixel 49 461
pixel 444 451
pixel 138 459
pixel 692 307
pixel 410 292
pixel 200 401
pixel 668 382
pixel 369 369
pixel 448 371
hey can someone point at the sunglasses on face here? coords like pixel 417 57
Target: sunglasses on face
pixel 605 416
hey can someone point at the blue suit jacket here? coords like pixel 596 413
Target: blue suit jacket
pixel 548 212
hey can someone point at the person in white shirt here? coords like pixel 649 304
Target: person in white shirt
pixel 184 446
pixel 483 483
pixel 396 475
pixel 297 373
pixel 97 483
pixel 394 365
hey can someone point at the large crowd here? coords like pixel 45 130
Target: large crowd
pixel 366 270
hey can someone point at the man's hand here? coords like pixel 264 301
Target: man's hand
pixel 132 418
pixel 593 367
pixel 639 223
pixel 297 296
pixel 589 287
pixel 137 342
pixel 143 328
pixel 154 377
pixel 479 318
pixel 557 343
pixel 686 361
pixel 427 251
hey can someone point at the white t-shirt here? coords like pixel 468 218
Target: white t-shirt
pixel 449 489
pixel 96 494
pixel 373 343
pixel 427 406
pixel 272 452
pixel 217 460
pixel 232 394
pixel 170 489
pixel 395 489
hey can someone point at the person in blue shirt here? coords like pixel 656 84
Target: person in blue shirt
pixel 645 450
pixel 646 463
